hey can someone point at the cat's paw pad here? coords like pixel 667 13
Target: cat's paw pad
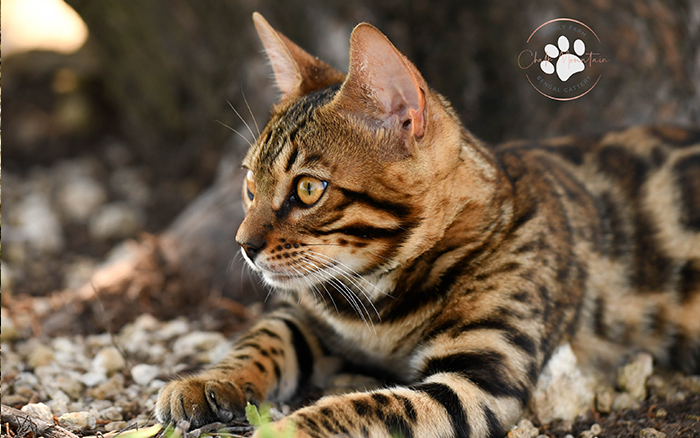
pixel 199 401
pixel 568 63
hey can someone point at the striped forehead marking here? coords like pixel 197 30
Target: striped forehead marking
pixel 286 127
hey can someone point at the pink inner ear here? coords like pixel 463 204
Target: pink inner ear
pixel 384 74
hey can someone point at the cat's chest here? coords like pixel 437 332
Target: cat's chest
pixel 378 343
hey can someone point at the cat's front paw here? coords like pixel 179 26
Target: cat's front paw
pixel 200 401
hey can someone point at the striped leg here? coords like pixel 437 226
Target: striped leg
pixel 270 362
pixel 464 399
pixel 445 405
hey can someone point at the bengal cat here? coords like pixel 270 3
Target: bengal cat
pixel 404 244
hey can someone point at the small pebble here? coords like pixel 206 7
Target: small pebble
pixel 112 413
pixel 524 429
pixel 196 342
pixel 40 356
pixel 58 407
pixel 38 410
pixel 143 374
pixel 650 432
pixel 38 224
pixel 71 386
pixel 632 377
pixel 91 379
pixel 60 396
pixel 108 360
pixel 77 421
pixel 109 390
pixel 116 425
pixel 661 413
pixel 604 400
pixel 624 401
pixel 593 432
pixel 80 197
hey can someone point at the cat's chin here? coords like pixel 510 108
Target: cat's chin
pixel 284 281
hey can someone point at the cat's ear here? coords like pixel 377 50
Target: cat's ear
pixel 296 72
pixel 382 83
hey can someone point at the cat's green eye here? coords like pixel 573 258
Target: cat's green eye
pixel 250 185
pixel 310 189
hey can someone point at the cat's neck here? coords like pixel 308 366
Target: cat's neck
pixel 474 209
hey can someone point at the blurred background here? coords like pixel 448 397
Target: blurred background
pixel 111 130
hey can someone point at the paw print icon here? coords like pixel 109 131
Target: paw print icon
pixel 567 64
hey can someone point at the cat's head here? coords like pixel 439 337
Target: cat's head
pixel 352 175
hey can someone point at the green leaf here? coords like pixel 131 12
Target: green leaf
pixel 258 417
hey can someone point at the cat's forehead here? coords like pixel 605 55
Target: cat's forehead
pixel 284 127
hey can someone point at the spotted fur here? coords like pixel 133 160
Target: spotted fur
pixel 453 267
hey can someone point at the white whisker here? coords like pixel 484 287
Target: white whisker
pixel 242 119
pixel 346 292
pixel 241 135
pixel 353 281
pixel 250 111
pixel 354 273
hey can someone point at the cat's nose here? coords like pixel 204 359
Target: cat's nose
pixel 253 246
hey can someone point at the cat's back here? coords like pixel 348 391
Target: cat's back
pixel 629 202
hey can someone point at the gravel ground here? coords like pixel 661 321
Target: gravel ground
pixel 102 384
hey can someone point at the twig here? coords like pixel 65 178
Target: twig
pixel 108 327
pixel 18 419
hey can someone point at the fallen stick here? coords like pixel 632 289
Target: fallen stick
pixel 20 420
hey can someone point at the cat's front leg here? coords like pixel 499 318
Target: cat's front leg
pixel 474 394
pixel 270 362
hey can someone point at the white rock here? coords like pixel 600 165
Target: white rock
pixel 143 373
pixel 524 429
pixel 117 220
pixel 40 356
pixel 38 224
pixel 108 361
pixel 58 407
pixel 174 328
pixel 604 399
pixel 93 378
pixel 80 197
pixel 563 392
pixel 69 384
pixel 197 342
pixel 155 386
pixel 116 425
pixel 632 377
pixel 112 413
pixel 650 432
pixel 28 380
pixel 39 410
pixel 77 421
pixel 623 401
pixel 65 345
pixel 60 396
